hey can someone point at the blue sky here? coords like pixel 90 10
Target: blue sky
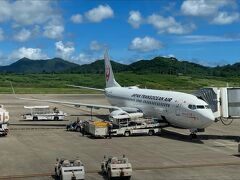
pixel 202 31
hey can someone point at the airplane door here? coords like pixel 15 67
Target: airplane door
pixel 178 109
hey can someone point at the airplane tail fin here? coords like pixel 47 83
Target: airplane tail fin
pixel 109 76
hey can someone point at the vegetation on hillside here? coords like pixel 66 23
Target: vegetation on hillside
pixel 158 65
pixel 53 76
pixel 57 83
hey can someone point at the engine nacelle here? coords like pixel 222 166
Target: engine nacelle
pixel 131 109
pixel 117 113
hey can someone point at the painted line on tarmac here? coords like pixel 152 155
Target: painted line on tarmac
pixel 227 144
pixel 187 166
pixel 134 169
pixel 13 129
pixel 26 176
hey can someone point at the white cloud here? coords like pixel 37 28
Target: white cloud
pixel 31 53
pixel 26 12
pixel 1 35
pixel 83 58
pixel 77 18
pixel 37 12
pixel 207 38
pixel 169 25
pixel 32 12
pixel 214 10
pixel 23 35
pixel 225 18
pixel 54 29
pixel 170 56
pixel 145 44
pixel 135 19
pixel 5 10
pixel 202 7
pixel 99 13
pixel 96 46
pixel 64 50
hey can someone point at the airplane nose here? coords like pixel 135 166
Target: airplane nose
pixel 207 118
pixel 210 116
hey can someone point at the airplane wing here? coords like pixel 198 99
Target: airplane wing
pixel 94 106
pixel 84 87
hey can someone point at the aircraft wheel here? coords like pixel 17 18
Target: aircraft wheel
pixel 150 132
pixel 56 118
pixel 35 118
pixel 127 133
pixel 78 129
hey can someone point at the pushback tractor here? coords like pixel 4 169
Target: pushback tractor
pixel 69 169
pixel 114 167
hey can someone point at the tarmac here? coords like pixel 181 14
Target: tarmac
pixel 30 150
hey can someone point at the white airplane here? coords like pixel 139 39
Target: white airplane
pixel 179 109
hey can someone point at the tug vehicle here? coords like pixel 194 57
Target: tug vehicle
pixel 74 126
pixel 69 169
pixel 114 167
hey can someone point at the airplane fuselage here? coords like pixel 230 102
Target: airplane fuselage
pixel 179 109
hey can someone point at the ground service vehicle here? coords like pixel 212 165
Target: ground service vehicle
pixel 145 126
pixel 4 118
pixel 97 128
pixel 43 113
pixel 74 126
pixel 114 167
pixel 69 169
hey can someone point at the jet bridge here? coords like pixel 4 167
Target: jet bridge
pixel 224 102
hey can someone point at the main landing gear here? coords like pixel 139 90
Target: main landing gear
pixel 193 134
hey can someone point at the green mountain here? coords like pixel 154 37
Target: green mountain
pixel 26 65
pixel 227 70
pixel 159 65
pixel 164 65
pixel 97 67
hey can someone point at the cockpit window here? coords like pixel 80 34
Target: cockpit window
pixel 207 107
pixel 200 107
pixel 192 107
